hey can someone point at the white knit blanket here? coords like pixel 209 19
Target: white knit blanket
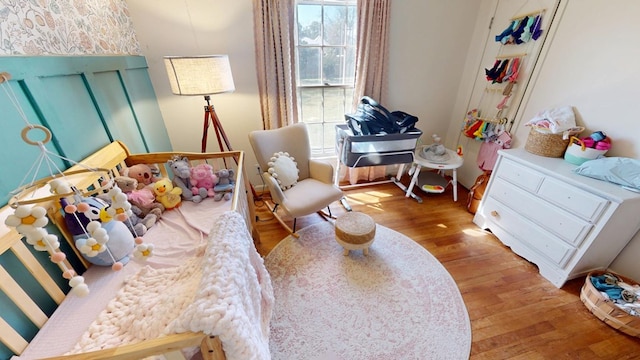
pixel 224 291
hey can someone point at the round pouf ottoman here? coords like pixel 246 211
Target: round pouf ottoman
pixel 355 231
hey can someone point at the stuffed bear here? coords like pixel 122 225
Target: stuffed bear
pixel 166 194
pixel 203 178
pixel 182 179
pixel 143 199
pixel 224 187
pixel 142 173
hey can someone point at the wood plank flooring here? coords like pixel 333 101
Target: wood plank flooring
pixel 515 313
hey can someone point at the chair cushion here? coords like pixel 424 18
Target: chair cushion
pixel 284 169
pixel 309 196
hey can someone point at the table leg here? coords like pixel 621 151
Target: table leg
pixel 414 180
pixel 455 184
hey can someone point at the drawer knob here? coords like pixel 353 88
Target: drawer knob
pixel 494 213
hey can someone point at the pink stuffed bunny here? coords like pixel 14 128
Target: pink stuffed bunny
pixel 203 180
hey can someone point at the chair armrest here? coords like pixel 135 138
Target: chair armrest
pixel 277 195
pixel 321 170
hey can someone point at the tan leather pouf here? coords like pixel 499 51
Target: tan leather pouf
pixel 355 231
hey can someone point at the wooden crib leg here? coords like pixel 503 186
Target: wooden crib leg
pixel 211 348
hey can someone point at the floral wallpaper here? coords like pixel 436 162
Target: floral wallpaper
pixel 66 27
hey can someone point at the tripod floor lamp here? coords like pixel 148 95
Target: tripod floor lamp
pixel 202 75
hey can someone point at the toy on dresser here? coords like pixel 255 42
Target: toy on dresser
pixel 581 150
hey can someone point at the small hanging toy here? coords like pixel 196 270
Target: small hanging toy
pixel 30 219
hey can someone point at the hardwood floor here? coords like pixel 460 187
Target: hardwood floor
pixel 515 313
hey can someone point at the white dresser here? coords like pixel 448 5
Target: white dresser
pixel 566 224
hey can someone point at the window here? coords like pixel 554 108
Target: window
pixel 325 63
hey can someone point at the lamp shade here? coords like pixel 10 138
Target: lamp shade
pixel 199 75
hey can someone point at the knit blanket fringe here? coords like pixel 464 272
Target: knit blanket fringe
pixel 224 291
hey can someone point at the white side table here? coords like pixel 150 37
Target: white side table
pixel 453 163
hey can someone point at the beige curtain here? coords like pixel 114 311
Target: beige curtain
pixel 371 69
pixel 275 61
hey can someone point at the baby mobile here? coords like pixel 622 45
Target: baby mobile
pixel 30 219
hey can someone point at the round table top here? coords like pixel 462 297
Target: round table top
pixel 450 161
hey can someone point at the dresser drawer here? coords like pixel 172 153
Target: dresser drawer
pixel 574 200
pixel 519 175
pixel 568 227
pixel 552 248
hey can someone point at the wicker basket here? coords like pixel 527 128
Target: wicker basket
pixel 547 144
pixel 606 310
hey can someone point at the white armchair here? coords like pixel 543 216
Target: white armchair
pixel 314 189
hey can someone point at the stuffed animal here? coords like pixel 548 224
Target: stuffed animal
pixel 139 220
pixel 224 187
pixel 142 173
pixel 166 194
pixel 92 242
pixel 203 180
pixel 182 179
pixel 134 221
pixel 143 199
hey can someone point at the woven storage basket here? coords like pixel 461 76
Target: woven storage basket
pixel 547 144
pixel 606 310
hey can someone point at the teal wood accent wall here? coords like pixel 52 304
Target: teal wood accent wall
pixel 86 102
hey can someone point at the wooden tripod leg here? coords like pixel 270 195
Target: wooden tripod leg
pixel 205 131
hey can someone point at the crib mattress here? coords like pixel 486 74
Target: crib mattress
pixel 369 150
pixel 176 237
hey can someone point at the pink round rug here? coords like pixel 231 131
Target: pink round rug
pixel 397 303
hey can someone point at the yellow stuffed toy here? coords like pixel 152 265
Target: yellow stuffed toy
pixel 166 194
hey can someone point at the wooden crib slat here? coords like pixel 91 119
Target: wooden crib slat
pixel 108 157
pixel 11 339
pixel 9 239
pixel 31 263
pixel 22 300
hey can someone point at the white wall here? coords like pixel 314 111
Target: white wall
pixel 199 27
pixel 591 63
pixel 429 40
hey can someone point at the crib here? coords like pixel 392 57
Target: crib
pixel 44 287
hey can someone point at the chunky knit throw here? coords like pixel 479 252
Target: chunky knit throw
pixel 224 291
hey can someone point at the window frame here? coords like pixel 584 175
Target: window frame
pixel 326 133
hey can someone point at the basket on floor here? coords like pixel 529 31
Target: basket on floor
pixel 544 143
pixel 606 310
